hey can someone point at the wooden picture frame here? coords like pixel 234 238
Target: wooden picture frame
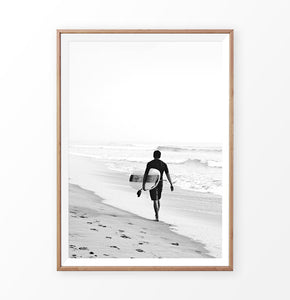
pixel 60 264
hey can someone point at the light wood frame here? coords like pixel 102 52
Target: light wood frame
pixel 230 32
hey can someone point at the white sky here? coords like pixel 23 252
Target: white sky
pixel 147 91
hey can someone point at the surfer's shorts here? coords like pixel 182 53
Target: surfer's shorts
pixel 155 194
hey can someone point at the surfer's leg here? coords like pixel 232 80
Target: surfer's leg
pixel 158 194
pixel 154 198
pixel 155 205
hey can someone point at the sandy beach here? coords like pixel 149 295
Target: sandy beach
pixel 99 230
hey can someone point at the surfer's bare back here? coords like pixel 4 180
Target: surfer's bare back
pixel 155 193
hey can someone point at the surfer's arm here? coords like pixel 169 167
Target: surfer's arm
pixel 169 178
pixel 145 177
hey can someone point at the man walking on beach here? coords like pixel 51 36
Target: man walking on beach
pixel 155 194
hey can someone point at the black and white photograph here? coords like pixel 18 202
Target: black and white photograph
pixel 145 149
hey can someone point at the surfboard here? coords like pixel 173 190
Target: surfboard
pixel 136 179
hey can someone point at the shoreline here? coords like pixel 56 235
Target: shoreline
pixel 190 214
pixel 98 229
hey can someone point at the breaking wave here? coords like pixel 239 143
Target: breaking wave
pixel 185 149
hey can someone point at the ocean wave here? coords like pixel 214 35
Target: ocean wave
pixel 192 162
pixel 201 163
pixel 185 149
pixel 199 183
pixel 83 155
pixel 189 162
pixel 100 147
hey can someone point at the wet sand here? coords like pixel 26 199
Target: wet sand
pixel 99 230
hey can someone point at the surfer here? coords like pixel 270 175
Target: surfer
pixel 155 194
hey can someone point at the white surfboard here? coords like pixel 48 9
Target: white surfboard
pixel 136 179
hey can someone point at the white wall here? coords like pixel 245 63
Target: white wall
pixel 28 156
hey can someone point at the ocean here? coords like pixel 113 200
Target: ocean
pixel 192 167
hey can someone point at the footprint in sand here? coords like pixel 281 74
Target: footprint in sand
pixel 175 244
pixel 130 223
pixel 83 217
pixel 94 229
pixel 115 247
pixel 96 255
pixel 124 236
pixel 91 252
pixel 139 250
pixel 120 230
pixel 141 243
pixel 83 248
pixel 102 225
pixel 108 237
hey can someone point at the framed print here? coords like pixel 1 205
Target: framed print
pixel 145 150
